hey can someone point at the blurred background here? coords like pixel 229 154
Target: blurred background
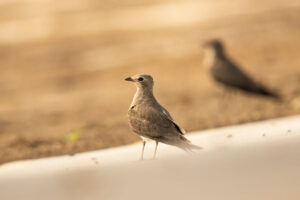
pixel 63 65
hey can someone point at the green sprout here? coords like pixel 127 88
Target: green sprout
pixel 72 137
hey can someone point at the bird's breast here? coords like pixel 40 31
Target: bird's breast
pixel 135 110
pixel 209 57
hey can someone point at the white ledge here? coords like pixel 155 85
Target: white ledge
pixel 258 160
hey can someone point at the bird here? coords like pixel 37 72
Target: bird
pixel 224 71
pixel 150 120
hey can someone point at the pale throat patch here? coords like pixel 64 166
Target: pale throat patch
pixel 209 56
pixel 135 97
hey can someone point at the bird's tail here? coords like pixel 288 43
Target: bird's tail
pixel 265 92
pixel 181 142
pixel 188 146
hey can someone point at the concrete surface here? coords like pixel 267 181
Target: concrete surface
pixel 251 161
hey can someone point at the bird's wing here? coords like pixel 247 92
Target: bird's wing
pixel 168 115
pixel 230 74
pixel 178 128
pixel 153 122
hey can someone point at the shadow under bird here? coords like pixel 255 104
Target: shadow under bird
pixel 150 120
pixel 225 71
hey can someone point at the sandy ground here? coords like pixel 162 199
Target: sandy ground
pixel 63 66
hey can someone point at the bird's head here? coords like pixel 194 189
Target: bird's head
pixel 215 45
pixel 143 81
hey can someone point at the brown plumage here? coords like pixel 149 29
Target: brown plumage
pixel 149 119
pixel 225 71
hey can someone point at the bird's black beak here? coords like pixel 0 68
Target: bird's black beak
pixel 128 79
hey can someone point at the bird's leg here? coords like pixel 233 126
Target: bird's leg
pixel 156 144
pixel 144 143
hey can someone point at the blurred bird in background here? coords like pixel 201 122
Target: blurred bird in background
pixel 150 120
pixel 223 70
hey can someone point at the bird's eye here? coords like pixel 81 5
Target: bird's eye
pixel 140 79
